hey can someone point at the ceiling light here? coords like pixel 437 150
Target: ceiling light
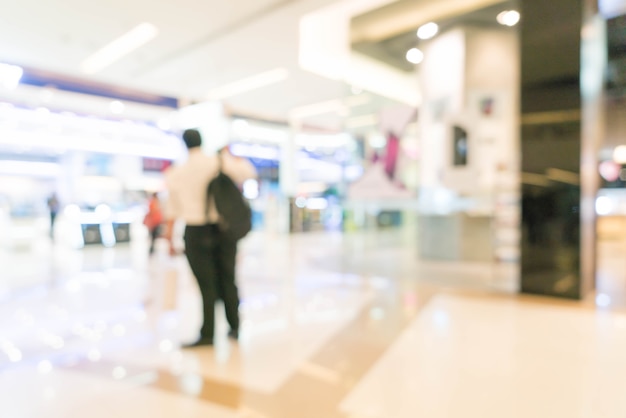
pixel 120 47
pixel 247 84
pixel 414 56
pixel 315 109
pixel 257 133
pixel 508 18
pixel 428 30
pixel 604 205
pixel 10 75
pixel 322 140
pixel 356 101
pixel 362 121
pixel 377 140
pixel 240 125
pixel 619 154
pixel 116 107
pixel 164 124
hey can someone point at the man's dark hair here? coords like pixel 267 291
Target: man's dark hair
pixel 192 138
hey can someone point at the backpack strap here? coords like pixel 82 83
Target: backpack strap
pixel 220 164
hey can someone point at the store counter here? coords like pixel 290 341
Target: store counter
pixel 455 236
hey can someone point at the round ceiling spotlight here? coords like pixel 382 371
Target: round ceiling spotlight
pixel 164 124
pixel 10 75
pixel 508 18
pixel 117 107
pixel 427 31
pixel 619 154
pixel 414 56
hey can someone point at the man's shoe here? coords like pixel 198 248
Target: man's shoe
pixel 202 342
pixel 233 334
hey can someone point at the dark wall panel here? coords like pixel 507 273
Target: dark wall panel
pixel 551 147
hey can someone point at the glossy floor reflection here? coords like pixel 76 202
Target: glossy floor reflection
pixel 333 326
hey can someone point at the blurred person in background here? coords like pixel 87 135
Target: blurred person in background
pixel 53 207
pixel 210 254
pixel 153 219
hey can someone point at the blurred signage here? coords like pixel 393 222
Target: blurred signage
pixel 98 165
pixel 155 164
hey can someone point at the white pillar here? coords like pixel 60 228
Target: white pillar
pixel 288 176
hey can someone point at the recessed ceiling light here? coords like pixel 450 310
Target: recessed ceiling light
pixel 414 56
pixel 508 18
pixel 164 124
pixel 10 75
pixel 428 30
pixel 619 154
pixel 248 84
pixel 116 107
pixel 125 44
pixel 319 108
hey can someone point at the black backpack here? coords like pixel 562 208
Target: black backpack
pixel 235 215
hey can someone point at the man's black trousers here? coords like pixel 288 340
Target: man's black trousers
pixel 212 260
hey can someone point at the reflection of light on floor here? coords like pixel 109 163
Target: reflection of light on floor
pixel 94 355
pixel 192 384
pixel 319 372
pixel 441 320
pixel 119 373
pixel 603 300
pixel 49 394
pixel 15 355
pixel 24 317
pixel 377 314
pixel 379 282
pixel 44 367
pixel 166 346
pixel 119 330
pixel 52 340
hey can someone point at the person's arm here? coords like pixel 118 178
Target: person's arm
pixel 172 211
pixel 169 233
pixel 238 169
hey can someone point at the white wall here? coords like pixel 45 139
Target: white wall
pixel 441 77
pixel 461 68
pixel 492 70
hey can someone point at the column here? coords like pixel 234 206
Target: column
pixel 560 133
pixel 288 179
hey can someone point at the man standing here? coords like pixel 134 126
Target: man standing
pixel 210 254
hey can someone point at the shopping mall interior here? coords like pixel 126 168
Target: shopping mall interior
pixel 438 215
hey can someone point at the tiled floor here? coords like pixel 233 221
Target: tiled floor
pixel 334 326
pixel 489 357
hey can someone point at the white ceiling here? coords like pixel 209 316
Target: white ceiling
pixel 201 44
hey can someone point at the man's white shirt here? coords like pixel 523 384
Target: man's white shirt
pixel 187 185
